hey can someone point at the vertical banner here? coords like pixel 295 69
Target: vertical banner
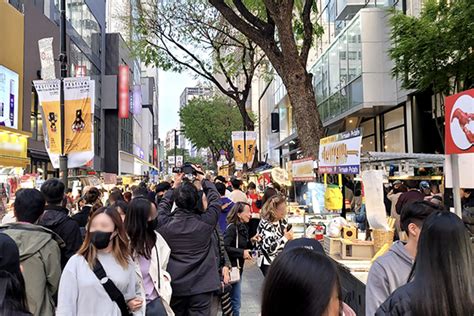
pixel 45 46
pixel 79 94
pixel 243 144
pixel 124 93
pixel 48 95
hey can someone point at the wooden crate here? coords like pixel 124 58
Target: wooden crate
pixel 357 250
pixel 332 246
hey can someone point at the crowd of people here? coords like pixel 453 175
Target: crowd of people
pixel 180 248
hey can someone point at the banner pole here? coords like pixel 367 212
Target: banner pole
pixel 63 171
pixel 456 185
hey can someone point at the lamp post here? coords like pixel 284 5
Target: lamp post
pixel 63 60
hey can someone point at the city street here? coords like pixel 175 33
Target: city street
pixel 149 148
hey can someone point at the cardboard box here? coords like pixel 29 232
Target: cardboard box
pixel 332 246
pixel 357 249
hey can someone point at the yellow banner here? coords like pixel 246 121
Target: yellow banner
pixel 53 125
pixel 78 125
pixel 240 155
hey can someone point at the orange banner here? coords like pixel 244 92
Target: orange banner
pixel 52 120
pixel 78 125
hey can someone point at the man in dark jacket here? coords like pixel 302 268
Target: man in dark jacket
pixel 188 232
pixel 413 195
pixel 56 218
pixel 40 255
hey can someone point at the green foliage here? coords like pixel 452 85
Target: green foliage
pixel 208 123
pixel 435 50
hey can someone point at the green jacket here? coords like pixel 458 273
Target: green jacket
pixel 40 259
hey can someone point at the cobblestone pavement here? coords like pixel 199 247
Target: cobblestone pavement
pixel 251 290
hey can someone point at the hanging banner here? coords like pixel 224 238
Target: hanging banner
pixel 48 95
pixel 45 46
pixel 340 154
pixel 78 115
pixel 9 93
pixel 459 123
pixel 243 144
pixel 124 92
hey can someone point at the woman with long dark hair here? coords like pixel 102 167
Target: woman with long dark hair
pixel 238 246
pixel 102 261
pixel 273 231
pixel 12 285
pixel 442 277
pixel 91 197
pixel 305 278
pixel 151 254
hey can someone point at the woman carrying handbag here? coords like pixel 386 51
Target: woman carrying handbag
pixel 151 254
pixel 238 245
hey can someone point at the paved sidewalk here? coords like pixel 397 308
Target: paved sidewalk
pixel 252 284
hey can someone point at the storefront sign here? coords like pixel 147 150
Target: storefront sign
pixel 124 93
pixel 303 170
pixel 243 144
pixel 110 178
pixel 459 126
pixel 281 176
pixel 79 94
pixel 340 154
pixel 9 92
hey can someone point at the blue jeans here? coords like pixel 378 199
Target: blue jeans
pixel 235 295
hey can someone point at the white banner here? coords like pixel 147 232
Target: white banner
pixel 340 154
pixel 373 190
pixel 45 46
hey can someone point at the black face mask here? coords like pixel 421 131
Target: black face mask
pixel 100 239
pixel 153 224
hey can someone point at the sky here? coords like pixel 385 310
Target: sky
pixel 171 85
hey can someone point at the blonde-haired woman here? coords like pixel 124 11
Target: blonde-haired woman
pixel 273 231
pixel 102 261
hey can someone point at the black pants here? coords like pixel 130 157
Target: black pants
pixel 194 305
pixel 264 268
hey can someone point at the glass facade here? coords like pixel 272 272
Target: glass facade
pixel 393 130
pixel 337 74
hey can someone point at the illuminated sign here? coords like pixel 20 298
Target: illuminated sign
pixel 9 92
pixel 124 92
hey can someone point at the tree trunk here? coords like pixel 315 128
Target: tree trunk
pixel 249 125
pixel 308 121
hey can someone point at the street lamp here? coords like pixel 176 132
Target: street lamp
pixel 63 60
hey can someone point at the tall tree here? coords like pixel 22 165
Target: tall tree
pixel 191 34
pixel 284 30
pixel 435 51
pixel 208 123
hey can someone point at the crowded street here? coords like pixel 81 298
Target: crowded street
pixel 236 158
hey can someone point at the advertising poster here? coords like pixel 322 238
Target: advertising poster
pixel 78 124
pixel 340 154
pixel 302 170
pixel 459 123
pixel 124 92
pixel 9 92
pixel 243 144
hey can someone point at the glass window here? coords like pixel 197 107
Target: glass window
pixel 368 128
pixel 283 111
pixel 36 118
pixel 354 48
pixel 394 140
pixel 368 143
pixel 333 58
pixel 394 118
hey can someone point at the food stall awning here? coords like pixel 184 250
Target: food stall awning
pixel 418 160
pixel 13 147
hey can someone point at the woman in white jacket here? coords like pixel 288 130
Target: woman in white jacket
pixel 151 254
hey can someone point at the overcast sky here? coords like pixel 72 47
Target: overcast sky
pixel 171 85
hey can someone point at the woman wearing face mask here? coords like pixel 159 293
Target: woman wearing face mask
pixel 151 254
pixel 273 231
pixel 81 290
pixel 238 245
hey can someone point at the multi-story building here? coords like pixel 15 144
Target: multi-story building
pixel 354 86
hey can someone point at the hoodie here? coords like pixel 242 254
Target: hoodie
pixel 387 273
pixel 40 259
pixel 56 219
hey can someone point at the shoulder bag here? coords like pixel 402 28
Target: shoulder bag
pixel 114 293
pixel 235 271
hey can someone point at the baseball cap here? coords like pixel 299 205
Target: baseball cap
pixel 308 243
pixel 424 185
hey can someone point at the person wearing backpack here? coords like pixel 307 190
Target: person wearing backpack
pixel 39 247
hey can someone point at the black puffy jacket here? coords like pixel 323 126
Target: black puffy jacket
pixel 192 264
pixel 399 303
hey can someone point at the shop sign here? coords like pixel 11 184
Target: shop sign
pixel 459 123
pixel 110 178
pixel 124 93
pixel 9 92
pixel 340 154
pixel 303 169
pixel 243 144
pixel 281 176
pixel 79 94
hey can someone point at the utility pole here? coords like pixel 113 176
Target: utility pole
pixel 175 147
pixel 63 60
